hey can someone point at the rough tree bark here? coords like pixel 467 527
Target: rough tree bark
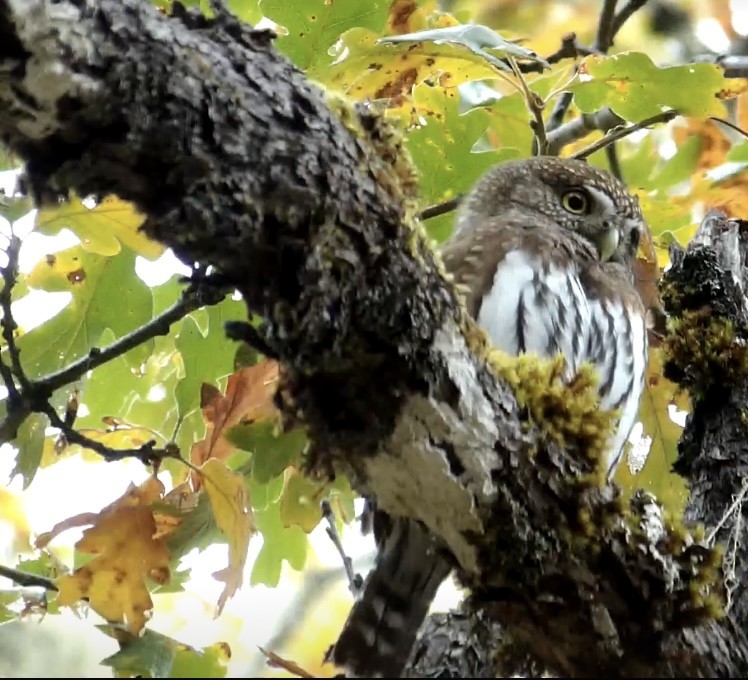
pixel 306 205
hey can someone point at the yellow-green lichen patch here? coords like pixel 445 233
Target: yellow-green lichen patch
pixel 383 142
pixel 702 351
pixel 568 411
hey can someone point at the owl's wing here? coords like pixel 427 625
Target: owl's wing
pixel 617 345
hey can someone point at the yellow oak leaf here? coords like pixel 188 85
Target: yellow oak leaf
pixel 229 500
pixel 125 554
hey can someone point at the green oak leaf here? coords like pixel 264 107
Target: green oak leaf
pixel 634 88
pixel 103 229
pixel 106 293
pixel 441 150
pixel 315 25
pixel 154 655
pixel 198 529
pixel 279 543
pixel 272 451
pixel 30 443
pixel 206 356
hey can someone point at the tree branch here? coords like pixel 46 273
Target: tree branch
pixel 23 578
pixel 196 295
pixel 34 396
pixel 604 37
pixel 311 215
pixel 616 133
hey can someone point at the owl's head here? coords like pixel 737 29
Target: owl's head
pixel 571 193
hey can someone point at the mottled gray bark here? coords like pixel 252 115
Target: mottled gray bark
pixel 239 163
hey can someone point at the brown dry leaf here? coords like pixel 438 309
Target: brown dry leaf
pixel 248 398
pixel 275 661
pixel 126 553
pixel 714 145
pixel 730 195
pixel 227 492
pixel 646 276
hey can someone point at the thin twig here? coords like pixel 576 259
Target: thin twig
pixel 27 580
pixel 192 298
pixel 729 124
pixel 354 580
pixel 619 133
pixel 608 26
pixel 579 127
pixel 147 454
pixel 613 162
pixel 34 395
pixel 604 36
pixel 556 119
pixel 570 49
pixel 624 15
pixel 10 276
pixel 242 331
pixel 440 208
pixel 535 105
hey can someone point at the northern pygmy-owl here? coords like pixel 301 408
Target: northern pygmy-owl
pixel 544 248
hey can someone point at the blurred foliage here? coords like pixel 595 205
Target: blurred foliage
pixel 460 114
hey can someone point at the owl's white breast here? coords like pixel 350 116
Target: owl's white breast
pixel 538 310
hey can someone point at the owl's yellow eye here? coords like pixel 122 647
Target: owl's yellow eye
pixel 576 202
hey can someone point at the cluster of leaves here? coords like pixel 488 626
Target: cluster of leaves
pixel 239 472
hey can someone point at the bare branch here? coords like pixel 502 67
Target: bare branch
pixel 569 49
pixel 576 129
pixel 440 208
pixel 354 580
pixel 10 275
pixel 608 26
pixel 604 37
pixel 624 15
pixel 616 133
pixel 613 162
pixel 23 578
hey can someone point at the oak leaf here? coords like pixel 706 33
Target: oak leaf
pixel 229 501
pixel 125 553
pixel 248 398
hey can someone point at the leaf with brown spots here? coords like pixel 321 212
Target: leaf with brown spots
pixel 407 16
pixel 126 552
pixel 365 69
pixel 104 293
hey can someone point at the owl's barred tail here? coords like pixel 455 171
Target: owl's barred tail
pixel 382 626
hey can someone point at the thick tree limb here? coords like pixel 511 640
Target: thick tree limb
pixel 705 293
pixel 240 163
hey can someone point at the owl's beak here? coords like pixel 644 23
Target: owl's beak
pixel 607 242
